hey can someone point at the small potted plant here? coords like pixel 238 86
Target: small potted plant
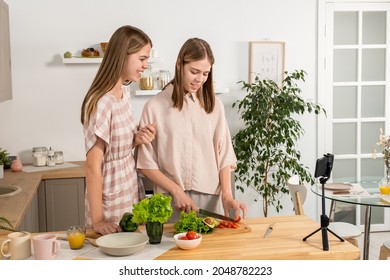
pixel 4 160
pixel 154 212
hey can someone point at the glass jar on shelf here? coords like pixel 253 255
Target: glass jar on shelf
pixel 146 82
pixel 163 78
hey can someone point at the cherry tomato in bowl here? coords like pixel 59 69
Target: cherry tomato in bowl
pixel 192 235
pixel 183 242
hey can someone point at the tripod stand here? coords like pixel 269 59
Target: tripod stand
pixel 324 221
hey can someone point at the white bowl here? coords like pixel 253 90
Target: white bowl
pixel 122 243
pixel 187 244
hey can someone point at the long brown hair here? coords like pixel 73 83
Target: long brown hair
pixel 194 49
pixel 125 41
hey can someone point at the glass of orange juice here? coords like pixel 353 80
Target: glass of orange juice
pixel 76 237
pixel 384 186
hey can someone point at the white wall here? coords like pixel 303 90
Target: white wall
pixel 47 94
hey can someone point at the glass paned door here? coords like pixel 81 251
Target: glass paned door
pixel 355 93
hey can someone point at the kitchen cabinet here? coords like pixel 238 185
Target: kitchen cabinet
pixel 148 186
pixel 61 203
pixel 5 54
pixel 30 221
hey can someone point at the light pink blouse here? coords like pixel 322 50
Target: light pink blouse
pixel 191 146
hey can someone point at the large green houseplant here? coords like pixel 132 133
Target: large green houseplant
pixel 266 147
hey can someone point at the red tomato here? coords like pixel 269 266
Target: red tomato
pixel 234 225
pixel 228 224
pixel 192 235
pixel 225 223
pixel 237 220
pixel 184 238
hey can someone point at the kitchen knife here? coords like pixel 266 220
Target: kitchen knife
pixel 214 215
pixel 269 230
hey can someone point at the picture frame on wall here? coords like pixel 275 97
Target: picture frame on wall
pixel 266 60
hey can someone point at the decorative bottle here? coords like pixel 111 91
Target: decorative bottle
pixel 50 158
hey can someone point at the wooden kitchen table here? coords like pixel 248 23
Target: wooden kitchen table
pixel 283 243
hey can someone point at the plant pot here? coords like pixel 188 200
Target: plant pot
pixel 154 230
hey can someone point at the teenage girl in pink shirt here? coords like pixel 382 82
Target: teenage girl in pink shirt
pixel 192 156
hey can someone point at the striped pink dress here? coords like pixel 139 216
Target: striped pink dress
pixel 114 123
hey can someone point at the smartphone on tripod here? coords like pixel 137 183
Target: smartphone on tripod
pixel 324 166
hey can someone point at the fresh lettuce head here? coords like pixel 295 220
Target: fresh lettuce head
pixel 154 209
pixel 190 222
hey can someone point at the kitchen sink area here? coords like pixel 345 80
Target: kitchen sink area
pixel 9 190
pixel 19 193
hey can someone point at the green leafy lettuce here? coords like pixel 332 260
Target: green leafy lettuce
pixel 154 209
pixel 190 222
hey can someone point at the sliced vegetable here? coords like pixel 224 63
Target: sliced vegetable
pixel 211 222
pixel 228 224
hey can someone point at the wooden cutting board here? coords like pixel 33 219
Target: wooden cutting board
pixel 241 229
pixel 168 228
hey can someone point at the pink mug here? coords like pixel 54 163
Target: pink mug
pixel 46 246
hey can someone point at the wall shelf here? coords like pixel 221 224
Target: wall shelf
pixel 74 60
pixel 147 92
pixel 79 59
pixel 155 91
pixel 152 60
pixel 221 90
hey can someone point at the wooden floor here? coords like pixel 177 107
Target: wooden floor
pixel 376 241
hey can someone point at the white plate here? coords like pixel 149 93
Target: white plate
pixel 122 243
pixel 338 186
